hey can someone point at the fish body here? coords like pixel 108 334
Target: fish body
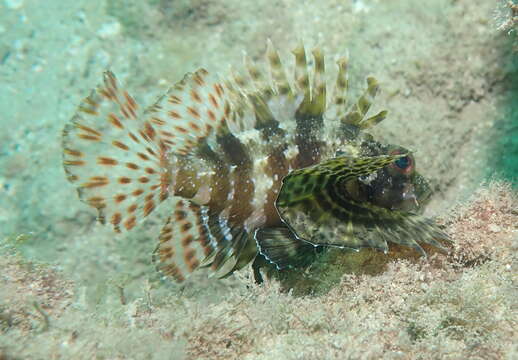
pixel 260 164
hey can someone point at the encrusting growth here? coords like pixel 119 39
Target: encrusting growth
pixel 257 165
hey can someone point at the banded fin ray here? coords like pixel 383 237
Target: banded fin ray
pixel 183 242
pixel 193 237
pixel 115 158
pixel 357 113
pixel 284 108
pixel 190 111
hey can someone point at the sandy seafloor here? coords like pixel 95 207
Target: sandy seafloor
pixel 71 289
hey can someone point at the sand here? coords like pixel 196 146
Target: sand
pixel 72 289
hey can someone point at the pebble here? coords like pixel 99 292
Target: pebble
pixel 109 29
pixel 494 228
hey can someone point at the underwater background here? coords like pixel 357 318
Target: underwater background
pixel 72 289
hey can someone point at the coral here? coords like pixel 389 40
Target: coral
pixel 485 227
pixel 31 294
pixel 507 16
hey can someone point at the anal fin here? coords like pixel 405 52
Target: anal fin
pixel 194 237
pixel 184 243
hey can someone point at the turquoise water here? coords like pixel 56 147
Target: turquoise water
pixel 505 161
pixel 449 78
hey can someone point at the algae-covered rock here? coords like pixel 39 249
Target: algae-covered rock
pixel 331 265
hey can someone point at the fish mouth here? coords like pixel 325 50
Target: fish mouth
pixel 415 196
pixel 423 191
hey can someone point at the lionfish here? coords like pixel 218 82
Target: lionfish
pixel 258 166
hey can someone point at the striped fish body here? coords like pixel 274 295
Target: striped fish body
pixel 259 162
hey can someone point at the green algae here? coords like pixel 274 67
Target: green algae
pixel 503 158
pixel 506 163
pixel 331 265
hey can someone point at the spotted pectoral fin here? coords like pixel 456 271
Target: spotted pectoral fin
pixel 371 227
pixel 281 247
pixel 193 237
pixel 329 226
pixel 317 205
pixel 413 230
pixel 308 183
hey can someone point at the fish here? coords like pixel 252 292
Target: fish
pixel 262 165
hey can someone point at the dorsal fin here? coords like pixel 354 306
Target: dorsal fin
pixel 356 115
pixel 191 110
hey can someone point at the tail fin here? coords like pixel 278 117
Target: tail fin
pixel 120 156
pixel 116 160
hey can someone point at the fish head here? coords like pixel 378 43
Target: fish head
pixel 396 186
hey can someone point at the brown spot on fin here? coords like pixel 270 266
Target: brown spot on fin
pixel 183 242
pixel 190 111
pixel 193 237
pixel 112 152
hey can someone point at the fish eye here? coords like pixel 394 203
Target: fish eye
pixel 403 165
